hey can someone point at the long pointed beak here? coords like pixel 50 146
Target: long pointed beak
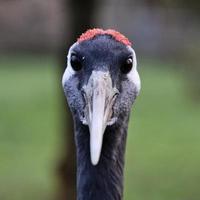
pixel 100 97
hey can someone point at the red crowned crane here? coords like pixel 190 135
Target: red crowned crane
pixel 101 83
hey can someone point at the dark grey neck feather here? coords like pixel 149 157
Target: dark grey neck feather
pixel 105 180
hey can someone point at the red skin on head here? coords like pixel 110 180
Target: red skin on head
pixel 89 34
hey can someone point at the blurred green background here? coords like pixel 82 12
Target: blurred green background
pixel 163 147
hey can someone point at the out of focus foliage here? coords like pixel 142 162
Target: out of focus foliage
pixel 194 4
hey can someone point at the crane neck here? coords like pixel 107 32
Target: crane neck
pixel 103 181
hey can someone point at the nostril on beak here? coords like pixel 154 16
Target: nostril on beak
pixel 83 114
pixel 116 93
pixel 85 99
pixel 83 93
pixel 112 118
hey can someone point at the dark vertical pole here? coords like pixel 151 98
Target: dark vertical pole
pixel 81 18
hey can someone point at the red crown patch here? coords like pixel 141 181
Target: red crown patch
pixel 89 34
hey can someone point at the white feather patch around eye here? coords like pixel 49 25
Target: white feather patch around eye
pixel 69 70
pixel 133 75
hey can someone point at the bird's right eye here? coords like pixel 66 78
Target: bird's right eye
pixel 76 62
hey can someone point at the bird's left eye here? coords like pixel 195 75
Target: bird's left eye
pixel 127 65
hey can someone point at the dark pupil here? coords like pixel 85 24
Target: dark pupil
pixel 76 62
pixel 127 66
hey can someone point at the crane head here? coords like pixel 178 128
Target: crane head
pixel 100 82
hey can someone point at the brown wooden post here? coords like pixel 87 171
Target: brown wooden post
pixel 81 18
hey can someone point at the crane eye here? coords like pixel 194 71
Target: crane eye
pixel 76 62
pixel 127 65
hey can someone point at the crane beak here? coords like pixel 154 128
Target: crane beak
pixel 99 96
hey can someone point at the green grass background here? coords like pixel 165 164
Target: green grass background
pixel 163 148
